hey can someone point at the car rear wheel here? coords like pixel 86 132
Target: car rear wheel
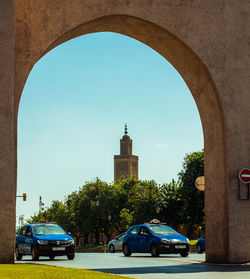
pixel 111 248
pixel 199 249
pixel 126 250
pixel 34 255
pixel 18 255
pixel 184 254
pixel 71 256
pixel 154 251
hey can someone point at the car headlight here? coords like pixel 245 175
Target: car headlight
pixel 165 241
pixel 67 241
pixel 71 241
pixel 175 240
pixel 43 242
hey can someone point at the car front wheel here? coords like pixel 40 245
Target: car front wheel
pixel 184 254
pixel 154 251
pixel 18 255
pixel 111 248
pixel 71 256
pixel 34 255
pixel 126 250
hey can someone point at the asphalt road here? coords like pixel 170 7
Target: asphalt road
pixel 144 266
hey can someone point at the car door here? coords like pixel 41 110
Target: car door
pixel 20 240
pixel 120 242
pixel 132 239
pixel 28 240
pixel 145 240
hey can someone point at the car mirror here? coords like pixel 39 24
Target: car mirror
pixel 69 233
pixel 28 234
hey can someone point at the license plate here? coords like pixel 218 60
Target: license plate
pixel 58 248
pixel 180 246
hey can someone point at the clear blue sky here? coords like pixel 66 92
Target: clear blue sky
pixel 73 110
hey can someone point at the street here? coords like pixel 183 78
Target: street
pixel 144 266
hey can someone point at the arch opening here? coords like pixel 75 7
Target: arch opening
pixel 202 87
pixel 146 105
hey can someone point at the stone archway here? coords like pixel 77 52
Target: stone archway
pixel 197 41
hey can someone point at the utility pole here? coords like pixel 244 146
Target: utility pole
pixel 41 204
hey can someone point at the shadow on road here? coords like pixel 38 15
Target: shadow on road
pixel 182 268
pixel 42 260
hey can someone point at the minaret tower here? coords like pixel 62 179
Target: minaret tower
pixel 125 164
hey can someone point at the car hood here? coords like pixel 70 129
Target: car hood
pixel 53 237
pixel 177 237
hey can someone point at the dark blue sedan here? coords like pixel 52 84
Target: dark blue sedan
pixel 154 238
pixel 44 239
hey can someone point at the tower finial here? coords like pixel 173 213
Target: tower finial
pixel 126 129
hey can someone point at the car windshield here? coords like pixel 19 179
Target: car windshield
pixel 162 230
pixel 48 229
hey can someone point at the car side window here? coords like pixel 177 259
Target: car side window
pixel 144 231
pixel 135 230
pixel 121 237
pixel 28 231
pixel 22 231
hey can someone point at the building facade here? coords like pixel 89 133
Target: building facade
pixel 125 164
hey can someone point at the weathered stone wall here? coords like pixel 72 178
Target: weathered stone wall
pixel 208 42
pixel 7 133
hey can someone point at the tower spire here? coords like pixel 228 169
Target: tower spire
pixel 125 164
pixel 126 129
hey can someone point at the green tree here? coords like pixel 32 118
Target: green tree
pixel 171 210
pixel 57 212
pixel 193 208
pixel 126 219
pixel 140 198
pixel 94 207
pixel 145 198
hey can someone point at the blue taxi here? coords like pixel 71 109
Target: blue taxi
pixel 44 239
pixel 155 238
